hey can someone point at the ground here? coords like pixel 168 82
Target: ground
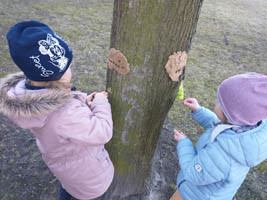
pixel 231 38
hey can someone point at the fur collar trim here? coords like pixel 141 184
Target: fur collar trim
pixel 29 105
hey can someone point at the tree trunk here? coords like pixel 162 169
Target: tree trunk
pixel 147 32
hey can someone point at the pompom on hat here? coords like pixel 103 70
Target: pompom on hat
pixel 38 51
pixel 243 98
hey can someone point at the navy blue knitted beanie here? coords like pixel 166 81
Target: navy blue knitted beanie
pixel 38 51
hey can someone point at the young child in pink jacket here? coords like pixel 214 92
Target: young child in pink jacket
pixel 71 128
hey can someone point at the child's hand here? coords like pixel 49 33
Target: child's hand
pixel 102 94
pixel 192 104
pixel 90 98
pixel 178 135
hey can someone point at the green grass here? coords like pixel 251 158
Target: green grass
pixel 262 168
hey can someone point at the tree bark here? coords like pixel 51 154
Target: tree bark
pixel 147 32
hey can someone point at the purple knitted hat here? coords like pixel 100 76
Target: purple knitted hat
pixel 243 98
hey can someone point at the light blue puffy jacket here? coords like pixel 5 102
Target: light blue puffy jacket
pixel 215 170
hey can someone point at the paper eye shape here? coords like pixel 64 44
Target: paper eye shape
pixel 176 64
pixel 117 61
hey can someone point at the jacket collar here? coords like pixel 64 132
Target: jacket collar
pixel 27 103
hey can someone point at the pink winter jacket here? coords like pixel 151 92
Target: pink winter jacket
pixel 69 134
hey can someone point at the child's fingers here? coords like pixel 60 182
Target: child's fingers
pixel 189 101
pixel 186 103
pixel 105 93
pixel 90 97
pixel 93 93
pixel 101 94
pixel 177 132
pixel 177 135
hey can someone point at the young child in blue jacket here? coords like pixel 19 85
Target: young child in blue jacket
pixel 235 139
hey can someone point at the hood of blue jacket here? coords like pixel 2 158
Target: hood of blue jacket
pixel 248 148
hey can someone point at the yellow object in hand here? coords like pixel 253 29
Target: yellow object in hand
pixel 180 94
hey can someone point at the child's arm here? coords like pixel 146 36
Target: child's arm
pixel 210 165
pixel 93 126
pixel 201 115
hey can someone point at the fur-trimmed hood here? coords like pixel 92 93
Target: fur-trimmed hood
pixel 16 101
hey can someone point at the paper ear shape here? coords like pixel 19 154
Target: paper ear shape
pixel 176 64
pixel 117 61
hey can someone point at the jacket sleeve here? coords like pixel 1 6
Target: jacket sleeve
pixel 93 126
pixel 204 117
pixel 211 164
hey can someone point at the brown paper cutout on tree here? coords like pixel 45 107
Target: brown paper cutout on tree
pixel 117 61
pixel 176 64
